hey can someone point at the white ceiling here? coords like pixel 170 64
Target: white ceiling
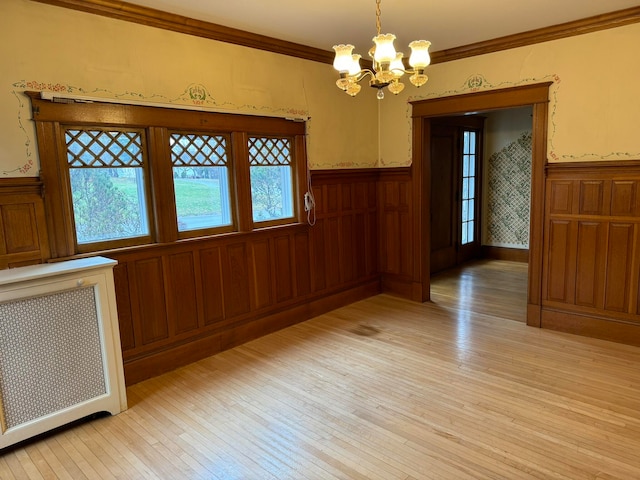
pixel 446 23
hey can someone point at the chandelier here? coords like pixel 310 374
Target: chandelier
pixel 388 66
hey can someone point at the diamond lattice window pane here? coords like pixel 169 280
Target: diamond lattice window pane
pixel 102 148
pixel 198 150
pixel 269 151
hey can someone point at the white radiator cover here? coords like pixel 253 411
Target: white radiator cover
pixel 60 354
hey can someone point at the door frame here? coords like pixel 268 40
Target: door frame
pixel 536 96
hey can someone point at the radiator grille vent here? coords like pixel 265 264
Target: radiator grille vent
pixel 50 355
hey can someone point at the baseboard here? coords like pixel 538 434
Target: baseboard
pixel 502 253
pixel 161 362
pixel 398 285
pixel 589 326
pixel 534 314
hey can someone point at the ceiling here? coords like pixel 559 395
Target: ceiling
pixel 446 23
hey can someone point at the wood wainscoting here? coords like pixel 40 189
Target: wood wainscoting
pixel 397 245
pixel 591 279
pixel 23 231
pixel 184 301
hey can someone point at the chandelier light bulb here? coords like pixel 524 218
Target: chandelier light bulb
pixel 385 51
pixel 343 60
pixel 419 58
pixel 354 68
pixel 397 67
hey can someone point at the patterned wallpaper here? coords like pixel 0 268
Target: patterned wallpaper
pixel 508 190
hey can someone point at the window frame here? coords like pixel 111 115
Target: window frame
pixel 52 118
pixel 202 232
pixel 65 172
pixel 294 191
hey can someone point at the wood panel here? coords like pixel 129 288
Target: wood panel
pixel 262 267
pixel 123 304
pixel 211 282
pixel 320 256
pixel 23 228
pixel 592 256
pixel 559 265
pixel 182 302
pixel 302 264
pixel 396 225
pixel 624 198
pixel 560 197
pixel 590 261
pixel 592 197
pixel 150 295
pixel 236 285
pixel 284 276
pixel 618 272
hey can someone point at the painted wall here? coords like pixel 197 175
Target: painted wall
pixel 49 48
pixel 507 178
pixel 593 102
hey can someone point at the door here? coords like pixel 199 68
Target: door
pixel 455 144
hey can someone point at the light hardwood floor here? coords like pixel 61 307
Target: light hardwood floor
pixel 381 389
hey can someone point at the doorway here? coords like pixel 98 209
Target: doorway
pixel 456 166
pixel 423 111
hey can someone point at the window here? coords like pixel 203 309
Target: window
pixel 132 175
pixel 271 178
pixel 106 175
pixel 200 180
pixel 468 187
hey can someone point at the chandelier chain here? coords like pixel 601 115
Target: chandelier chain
pixel 378 27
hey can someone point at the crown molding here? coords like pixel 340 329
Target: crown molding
pixel 190 26
pixel 540 35
pixel 178 23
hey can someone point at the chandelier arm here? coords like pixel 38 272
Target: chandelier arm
pixel 361 75
pixel 409 71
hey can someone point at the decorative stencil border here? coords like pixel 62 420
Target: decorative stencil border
pixel 478 82
pixel 198 95
pixel 194 95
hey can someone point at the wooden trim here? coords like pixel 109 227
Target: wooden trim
pixel 536 215
pixel 169 116
pixel 190 26
pixel 563 30
pixel 625 166
pixel 591 326
pixel 536 95
pixel 421 186
pixel 483 101
pixel 502 253
pixel 353 174
pixel 20 185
